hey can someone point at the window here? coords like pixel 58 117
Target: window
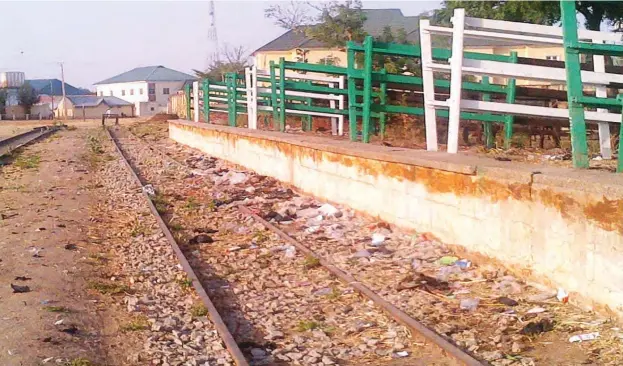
pixel 101 93
pixel 152 109
pixel 111 93
pixel 165 91
pixel 123 92
pixel 553 58
pixel 140 91
pixel 131 91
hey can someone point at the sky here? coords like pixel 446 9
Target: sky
pixel 96 40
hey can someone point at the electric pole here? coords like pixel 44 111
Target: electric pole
pixel 63 88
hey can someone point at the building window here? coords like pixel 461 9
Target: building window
pixel 165 91
pixel 111 93
pixel 131 91
pixel 152 109
pixel 553 58
pixel 140 91
pixel 123 92
pixel 101 93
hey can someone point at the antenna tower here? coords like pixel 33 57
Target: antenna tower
pixel 212 37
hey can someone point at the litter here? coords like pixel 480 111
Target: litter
pixel 149 189
pixel 201 239
pixel 323 291
pixel 562 295
pixel 59 322
pixel 236 178
pixel 536 310
pixel 71 246
pixel 377 239
pixel 312 229
pixel 542 326
pixel 469 304
pixel 508 285
pixel 22 278
pixel 290 251
pixel 362 254
pixel 17 289
pixel 584 337
pixel 329 210
pixel 463 263
pixel 447 260
pixel 507 301
pixel 402 354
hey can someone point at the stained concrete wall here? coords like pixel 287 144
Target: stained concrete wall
pixel 558 226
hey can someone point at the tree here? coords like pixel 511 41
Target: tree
pixel 539 12
pixel 2 100
pixel 229 60
pixel 27 96
pixel 338 23
pixel 289 16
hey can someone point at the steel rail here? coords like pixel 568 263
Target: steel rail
pixel 216 318
pixel 14 142
pixel 397 314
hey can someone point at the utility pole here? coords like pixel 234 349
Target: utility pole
pixel 63 87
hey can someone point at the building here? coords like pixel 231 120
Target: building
pixel 54 87
pixel 92 106
pixel 147 88
pixel 316 52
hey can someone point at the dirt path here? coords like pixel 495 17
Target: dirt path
pixel 46 250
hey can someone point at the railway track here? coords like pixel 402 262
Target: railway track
pixel 242 214
pixel 14 142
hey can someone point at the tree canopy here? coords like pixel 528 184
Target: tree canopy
pixel 538 12
pixel 27 96
pixel 229 60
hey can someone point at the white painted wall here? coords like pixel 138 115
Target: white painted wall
pixel 141 101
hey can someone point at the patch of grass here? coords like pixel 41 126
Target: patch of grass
pixel 311 262
pixel 108 288
pixel 175 226
pixel 335 294
pixel 198 310
pixel 192 204
pixel 305 325
pixel 27 161
pixel 95 145
pixel 160 202
pixel 260 237
pixel 139 322
pixel 80 361
pixel 185 283
pixel 211 206
pixel 98 257
pixel 138 228
pixel 56 309
pixel 71 128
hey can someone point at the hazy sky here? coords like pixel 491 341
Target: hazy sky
pixel 99 39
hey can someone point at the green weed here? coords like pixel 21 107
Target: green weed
pixel 305 325
pixel 80 361
pixel 27 162
pixel 311 262
pixel 192 204
pixel 185 283
pixel 198 310
pixel 139 322
pixel 109 288
pixel 56 309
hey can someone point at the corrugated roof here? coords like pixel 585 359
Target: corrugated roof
pixel 148 73
pixel 94 101
pixel 42 86
pixel 376 21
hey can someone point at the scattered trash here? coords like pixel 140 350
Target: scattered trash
pixel 59 322
pixel 22 278
pixel 35 252
pixel 469 304
pixel 71 246
pixel 312 229
pixel 45 302
pixel 323 291
pixel 541 326
pixel 502 158
pixel 424 282
pixel 17 289
pixel 40 229
pixel 205 231
pixel 562 295
pixel 149 189
pixel 536 310
pixel 70 330
pixel 234 249
pixel 507 285
pixel 507 301
pixel 236 178
pixel 362 254
pixel 416 263
pixel 377 239
pixel 598 158
pixel 444 273
pixel 584 337
pixel 46 360
pixel 61 225
pixel 307 213
pixel 201 239
pixel 290 251
pixel 463 263
pixel 329 210
pixel 447 260
pixel 402 354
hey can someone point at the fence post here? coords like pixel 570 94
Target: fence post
pixel 511 92
pixel 196 101
pixel 187 95
pixel 428 86
pixel 367 89
pixel 383 100
pixel 352 94
pixel 206 100
pixel 340 129
pixel 456 76
pixel 249 92
pixel 282 95
pixel 273 95
pixel 605 147
pixel 579 147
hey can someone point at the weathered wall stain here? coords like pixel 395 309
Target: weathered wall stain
pixel 606 214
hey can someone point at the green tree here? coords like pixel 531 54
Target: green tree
pixel 229 60
pixel 338 23
pixel 27 96
pixel 2 100
pixel 539 12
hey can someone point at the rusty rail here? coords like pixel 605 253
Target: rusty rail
pixel 216 318
pixel 397 314
pixel 14 142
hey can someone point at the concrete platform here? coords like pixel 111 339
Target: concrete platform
pixel 562 227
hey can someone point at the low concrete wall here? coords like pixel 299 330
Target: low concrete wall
pixel 560 226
